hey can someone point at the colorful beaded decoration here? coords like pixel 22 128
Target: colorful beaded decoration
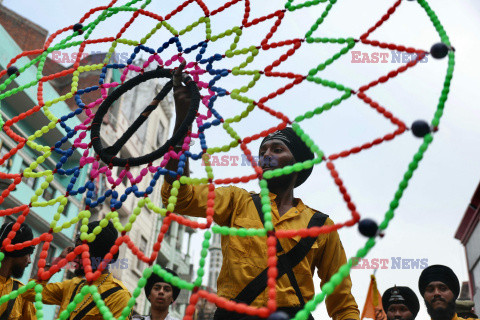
pixel 198 66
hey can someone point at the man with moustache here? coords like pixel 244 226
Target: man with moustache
pixel 114 294
pixel 13 266
pixel 400 303
pixel 161 294
pixel 243 276
pixel 440 287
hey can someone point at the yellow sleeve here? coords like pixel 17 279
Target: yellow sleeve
pixel 192 201
pixel 118 301
pixel 341 304
pixel 28 311
pixel 52 293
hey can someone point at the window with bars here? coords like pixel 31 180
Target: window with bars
pixel 28 181
pixel 49 193
pixel 66 208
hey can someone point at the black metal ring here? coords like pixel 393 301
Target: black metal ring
pixel 108 155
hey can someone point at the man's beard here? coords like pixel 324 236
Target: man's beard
pixel 282 181
pixel 17 271
pixel 441 313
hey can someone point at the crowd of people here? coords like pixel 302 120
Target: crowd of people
pixel 243 276
pixel 438 286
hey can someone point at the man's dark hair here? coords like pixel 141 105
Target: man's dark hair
pixel 154 278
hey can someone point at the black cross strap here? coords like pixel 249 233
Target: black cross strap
pixel 10 304
pixel 74 293
pixel 286 261
pixel 92 304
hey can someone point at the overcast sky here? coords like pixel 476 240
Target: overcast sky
pixel 437 196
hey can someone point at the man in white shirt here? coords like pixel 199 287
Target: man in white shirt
pixel 161 295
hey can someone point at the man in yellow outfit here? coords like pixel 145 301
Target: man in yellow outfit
pixel 114 294
pixel 13 266
pixel 243 273
pixel 440 287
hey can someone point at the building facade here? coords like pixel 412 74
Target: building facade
pixel 39 218
pixel 19 34
pixel 216 259
pixel 468 233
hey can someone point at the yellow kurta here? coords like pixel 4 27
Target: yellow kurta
pixel 458 318
pixel 22 309
pixel 59 293
pixel 245 257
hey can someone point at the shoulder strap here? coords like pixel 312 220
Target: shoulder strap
pixel 258 204
pixel 74 293
pixel 92 304
pixel 10 304
pixel 286 261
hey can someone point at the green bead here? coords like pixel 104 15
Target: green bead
pixel 136 292
pixel 298 167
pixel 71 307
pixel 287 170
pixel 242 232
pixel 389 215
pixel 362 252
pixel 370 243
pixel 344 270
pixel 266 208
pixel 394 204
pixel 383 225
pixel 78 298
pixel 336 279
pixel 398 194
pixel 303 314
pixel 328 288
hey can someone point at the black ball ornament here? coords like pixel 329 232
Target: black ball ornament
pixel 420 128
pixel 78 27
pixel 439 50
pixel 368 228
pixel 13 70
